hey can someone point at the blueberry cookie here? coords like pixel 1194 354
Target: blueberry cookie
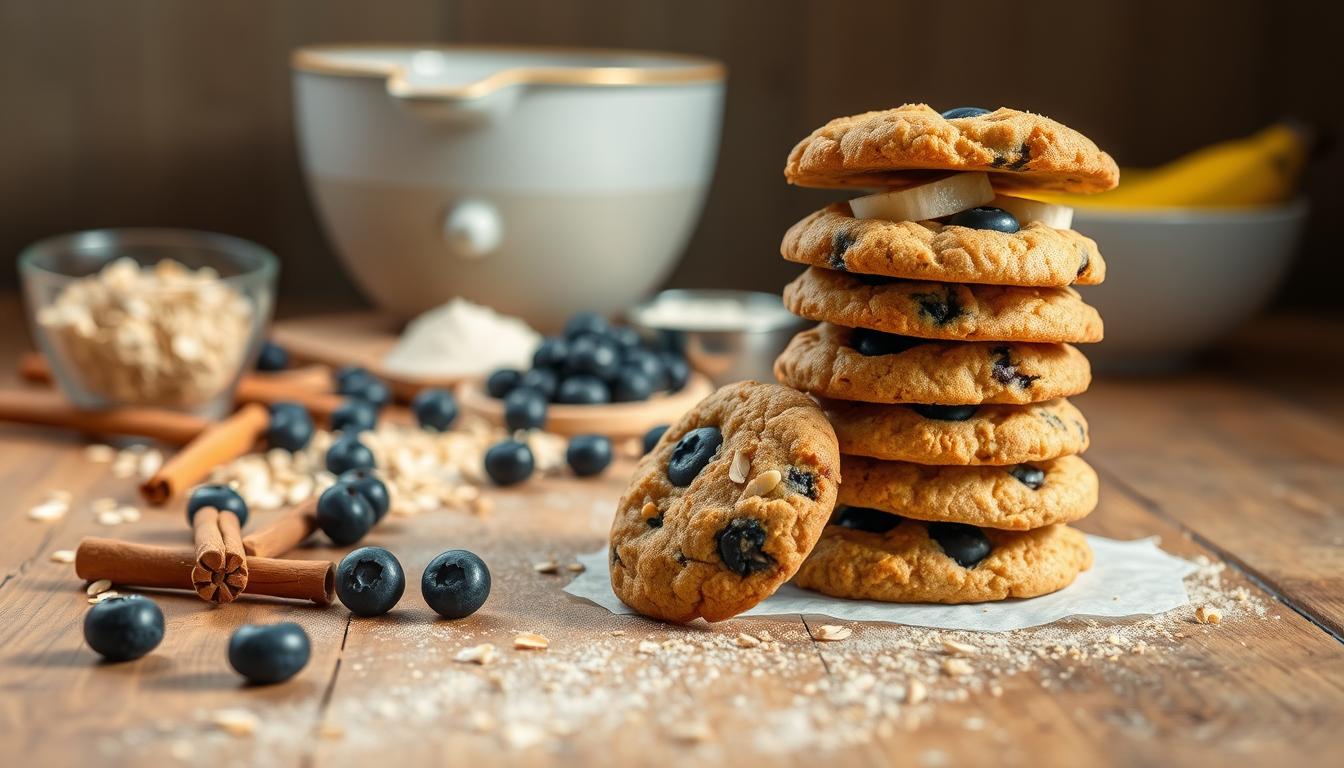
pixel 1035 255
pixel 874 367
pixel 726 506
pixel 870 555
pixel 1013 498
pixel 900 146
pixel 959 434
pixel 949 311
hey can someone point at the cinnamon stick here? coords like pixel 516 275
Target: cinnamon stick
pixel 142 565
pixel 49 408
pixel 283 534
pixel 220 442
pixel 221 571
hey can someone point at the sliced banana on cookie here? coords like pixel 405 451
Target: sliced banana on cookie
pixel 934 200
pixel 1056 216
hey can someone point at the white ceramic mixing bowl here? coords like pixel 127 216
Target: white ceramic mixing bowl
pixel 536 181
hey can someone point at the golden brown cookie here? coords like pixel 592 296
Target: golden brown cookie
pixel 1035 255
pixel 959 434
pixel 724 509
pixel 950 311
pixel 1013 498
pixel 894 147
pixel 873 367
pixel 870 555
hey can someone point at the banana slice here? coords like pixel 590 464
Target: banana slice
pixel 1049 214
pixel 944 197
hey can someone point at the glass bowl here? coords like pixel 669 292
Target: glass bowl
pixel 167 318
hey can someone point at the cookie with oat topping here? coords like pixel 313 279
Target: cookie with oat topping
pixel 726 506
pixel 894 147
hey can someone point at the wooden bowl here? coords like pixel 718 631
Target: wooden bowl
pixel 613 420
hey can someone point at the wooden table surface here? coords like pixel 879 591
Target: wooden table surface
pixel 1240 463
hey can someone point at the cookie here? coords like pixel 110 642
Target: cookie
pixel 1035 255
pixel 896 147
pixel 950 311
pixel 870 366
pixel 870 555
pixel 959 434
pixel 726 506
pixel 1013 498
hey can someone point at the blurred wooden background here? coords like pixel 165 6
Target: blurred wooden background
pixel 161 112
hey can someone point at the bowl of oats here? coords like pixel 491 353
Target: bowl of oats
pixel 152 317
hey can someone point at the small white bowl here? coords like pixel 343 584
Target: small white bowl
pixel 1178 279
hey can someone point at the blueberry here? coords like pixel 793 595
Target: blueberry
pixel 123 628
pixel 1005 370
pixel 583 389
pixel 369 581
pixel 652 437
pixel 953 114
pixel 221 497
pixel 593 355
pixel 740 545
pixel 344 514
pixel 353 381
pixel 986 217
pixel 455 584
pixel 648 363
pixel 802 481
pixel 272 357
pixel 865 519
pixel 1032 477
pixel 269 653
pixel 377 392
pixel 588 455
pixel 524 408
pixel 371 488
pixel 692 453
pixel 624 337
pixel 965 544
pixel 870 343
pixel 551 354
pixel 586 323
pixel 354 415
pixel 945 412
pixel 290 427
pixel 631 385
pixel 435 409
pixel 502 381
pixel 350 376
pixel 509 462
pixel 348 453
pixel 678 370
pixel 544 380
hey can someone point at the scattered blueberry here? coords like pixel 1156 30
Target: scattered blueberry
pixel 371 488
pixel 551 354
pixel 221 497
pixel 350 376
pixel 678 370
pixel 625 337
pixel 1032 477
pixel 290 427
pixel 344 514
pixel 502 381
pixel 870 343
pixel 986 217
pixel 586 323
pixel 965 544
pixel 692 453
pixel 543 380
pixel 455 584
pixel 582 389
pixel 524 408
pixel 953 114
pixel 272 357
pixel 652 437
pixel 865 519
pixel 509 462
pixel 269 653
pixel 648 363
pixel 354 415
pixel 594 355
pixel 631 385
pixel 740 547
pixel 353 381
pixel 123 628
pixel 348 453
pixel 588 454
pixel 435 409
pixel 369 581
pixel 945 412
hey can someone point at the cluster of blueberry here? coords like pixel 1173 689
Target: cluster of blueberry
pixel 370 581
pixel 346 511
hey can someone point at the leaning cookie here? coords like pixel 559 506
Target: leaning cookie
pixel 900 146
pixel 726 506
pixel 949 311
pixel 959 434
pixel 1013 498
pixel 870 555
pixel 1035 255
pixel 874 367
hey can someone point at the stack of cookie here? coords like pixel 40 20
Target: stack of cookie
pixel 944 352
